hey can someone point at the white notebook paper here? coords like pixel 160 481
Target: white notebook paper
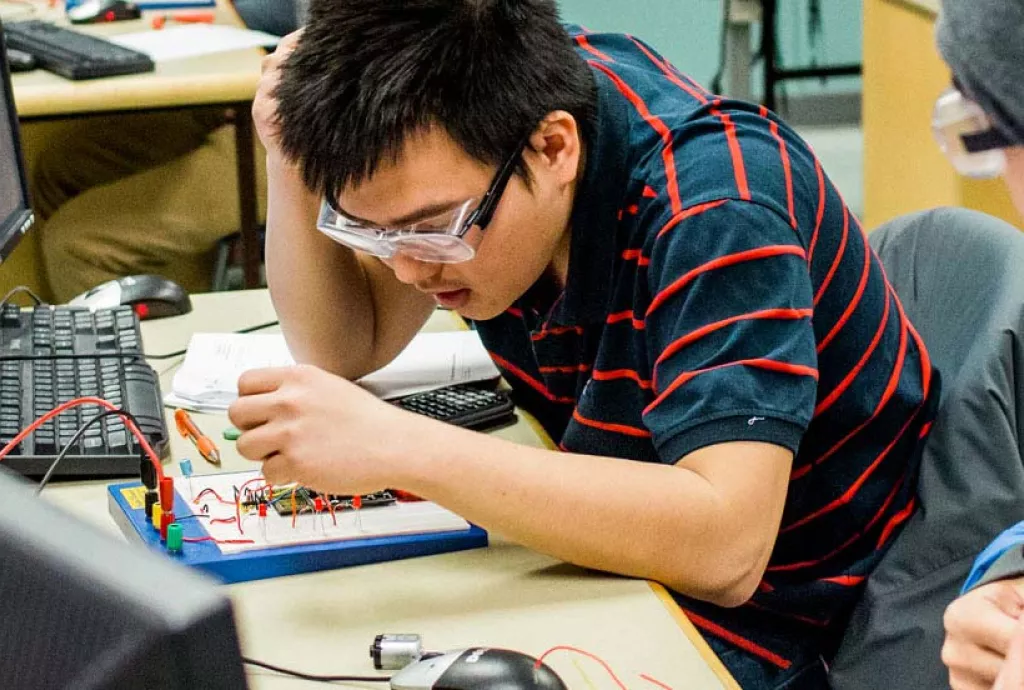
pixel 208 378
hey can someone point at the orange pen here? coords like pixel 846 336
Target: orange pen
pixel 159 21
pixel 188 429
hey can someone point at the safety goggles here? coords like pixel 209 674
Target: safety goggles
pixel 449 238
pixel 966 135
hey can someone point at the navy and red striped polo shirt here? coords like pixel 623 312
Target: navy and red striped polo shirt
pixel 719 290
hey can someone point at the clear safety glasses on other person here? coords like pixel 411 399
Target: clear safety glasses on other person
pixel 449 238
pixel 966 135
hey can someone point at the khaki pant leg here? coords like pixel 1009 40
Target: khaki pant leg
pixel 83 153
pixel 166 220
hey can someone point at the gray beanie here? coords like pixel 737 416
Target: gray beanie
pixel 983 43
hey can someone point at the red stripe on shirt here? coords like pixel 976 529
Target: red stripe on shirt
pixel 613 374
pixel 848 379
pixel 529 380
pixel 781 314
pixel 649 192
pixel 607 426
pixel 515 311
pixel 849 494
pixel 636 255
pixel 845 580
pixel 626 316
pixel 787 171
pixel 894 378
pixel 739 169
pixel 689 213
pixel 896 520
pixel 838 258
pixel 821 210
pixel 737 640
pixel 669 73
pixel 794 616
pixel 854 302
pixel 723 262
pixel 768 364
pixel 565 370
pixel 585 44
pixel 558 330
pixel 846 544
pixel 659 126
pixel 924 430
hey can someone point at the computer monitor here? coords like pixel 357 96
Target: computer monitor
pixel 15 210
pixel 81 609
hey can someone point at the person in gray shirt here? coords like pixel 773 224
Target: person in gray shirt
pixel 979 123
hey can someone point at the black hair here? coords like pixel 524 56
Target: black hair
pixel 368 73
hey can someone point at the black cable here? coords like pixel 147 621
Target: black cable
pixel 20 289
pixel 318 679
pixel 78 435
pixel 250 329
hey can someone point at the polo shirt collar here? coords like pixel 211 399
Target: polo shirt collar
pixel 595 214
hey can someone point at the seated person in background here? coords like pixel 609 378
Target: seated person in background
pixel 667 279
pixel 94 179
pixel 983 43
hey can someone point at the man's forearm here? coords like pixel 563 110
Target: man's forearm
pixel 334 314
pixel 660 522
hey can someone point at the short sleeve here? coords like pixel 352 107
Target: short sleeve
pixel 1001 560
pixel 729 331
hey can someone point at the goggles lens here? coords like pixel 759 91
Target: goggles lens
pixel 443 239
pixel 965 134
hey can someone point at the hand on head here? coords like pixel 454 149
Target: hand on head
pixel 264 104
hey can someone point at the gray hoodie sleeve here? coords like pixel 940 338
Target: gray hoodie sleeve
pixel 983 43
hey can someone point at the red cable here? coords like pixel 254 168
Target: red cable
pixel 238 500
pixel 585 653
pixel 216 495
pixel 139 436
pixel 193 540
pixel 655 681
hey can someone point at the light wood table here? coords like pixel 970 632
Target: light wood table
pixel 226 79
pixel 504 595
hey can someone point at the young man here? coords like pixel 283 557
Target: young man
pixel 667 279
pixel 983 43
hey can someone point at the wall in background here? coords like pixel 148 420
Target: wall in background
pixel 688 33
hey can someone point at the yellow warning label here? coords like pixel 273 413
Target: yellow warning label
pixel 135 496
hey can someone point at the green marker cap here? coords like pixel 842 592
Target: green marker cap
pixel 174 539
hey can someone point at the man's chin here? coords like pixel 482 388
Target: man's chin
pixel 479 312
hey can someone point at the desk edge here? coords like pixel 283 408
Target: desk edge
pixel 696 639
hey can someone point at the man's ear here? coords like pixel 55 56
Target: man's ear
pixel 557 148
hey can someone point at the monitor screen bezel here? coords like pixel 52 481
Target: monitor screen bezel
pixel 20 222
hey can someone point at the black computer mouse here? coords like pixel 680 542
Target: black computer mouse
pixel 479 668
pixel 151 296
pixel 95 11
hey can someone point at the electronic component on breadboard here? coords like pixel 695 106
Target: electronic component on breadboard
pixel 305 501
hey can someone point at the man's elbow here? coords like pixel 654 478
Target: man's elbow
pixel 729 581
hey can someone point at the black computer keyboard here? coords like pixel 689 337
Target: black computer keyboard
pixel 49 355
pixel 73 54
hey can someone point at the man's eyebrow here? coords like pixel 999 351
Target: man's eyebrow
pixel 419 214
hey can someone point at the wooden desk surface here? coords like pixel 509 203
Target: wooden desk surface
pixel 218 78
pixel 504 595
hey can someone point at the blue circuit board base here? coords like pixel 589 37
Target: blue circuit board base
pixel 276 562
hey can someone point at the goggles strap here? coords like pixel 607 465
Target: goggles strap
pixel 988 140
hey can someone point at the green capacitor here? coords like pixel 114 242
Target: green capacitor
pixel 174 539
pixel 231 434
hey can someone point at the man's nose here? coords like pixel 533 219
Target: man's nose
pixel 412 271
